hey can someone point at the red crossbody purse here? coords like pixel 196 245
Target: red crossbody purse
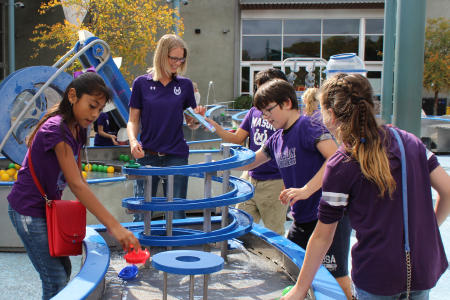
pixel 66 221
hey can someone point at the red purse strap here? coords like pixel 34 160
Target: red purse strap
pixel 33 174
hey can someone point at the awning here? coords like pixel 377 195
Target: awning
pixel 310 4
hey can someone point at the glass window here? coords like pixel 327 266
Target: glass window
pixel 261 48
pixel 245 82
pixel 302 26
pixel 374 78
pixel 261 27
pixel 339 44
pixel 373 48
pixel 338 26
pixel 375 26
pixel 301 46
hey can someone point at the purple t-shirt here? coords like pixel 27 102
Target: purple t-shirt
pixel 25 197
pixel 259 132
pixel 299 160
pixel 162 113
pixel 103 120
pixel 378 257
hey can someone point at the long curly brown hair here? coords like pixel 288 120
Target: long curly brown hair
pixel 352 101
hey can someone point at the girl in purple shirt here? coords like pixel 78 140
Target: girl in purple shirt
pixel 158 101
pixel 364 178
pixel 56 142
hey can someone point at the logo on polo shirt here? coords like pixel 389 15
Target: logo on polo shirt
pixel 177 91
pixel 152 88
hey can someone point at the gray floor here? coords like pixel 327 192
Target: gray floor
pixel 19 280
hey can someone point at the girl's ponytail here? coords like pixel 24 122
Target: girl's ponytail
pixel 351 99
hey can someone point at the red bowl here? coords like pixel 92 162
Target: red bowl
pixel 137 258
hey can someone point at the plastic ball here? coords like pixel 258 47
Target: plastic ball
pixel 121 156
pixel 17 167
pixel 94 168
pixel 126 158
pixel 84 174
pixel 11 166
pixel 110 169
pixel 88 168
pixel 287 289
pixel 5 177
pixel 82 166
pixel 15 175
pixel 2 172
pixel 11 172
pixel 105 169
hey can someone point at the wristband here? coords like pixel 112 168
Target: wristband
pixel 196 123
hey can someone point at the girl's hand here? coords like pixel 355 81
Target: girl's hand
pixel 293 195
pixel 213 123
pixel 136 149
pixel 294 294
pixel 113 138
pixel 200 110
pixel 126 238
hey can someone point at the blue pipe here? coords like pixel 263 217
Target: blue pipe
pixel 11 36
pixel 176 6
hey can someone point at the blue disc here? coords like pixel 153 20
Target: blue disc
pixel 17 90
pixel 128 272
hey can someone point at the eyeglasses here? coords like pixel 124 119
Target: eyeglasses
pixel 176 59
pixel 268 112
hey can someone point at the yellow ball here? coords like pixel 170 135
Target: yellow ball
pixel 5 177
pixel 11 172
pixel 88 168
pixel 2 172
pixel 17 166
pixel 84 174
pixel 15 175
pixel 110 169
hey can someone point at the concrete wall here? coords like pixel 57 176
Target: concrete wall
pixel 211 53
pixel 26 20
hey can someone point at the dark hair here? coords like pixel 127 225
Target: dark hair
pixel 352 101
pixel 275 90
pixel 87 83
pixel 268 74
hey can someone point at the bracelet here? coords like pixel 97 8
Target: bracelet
pixel 196 123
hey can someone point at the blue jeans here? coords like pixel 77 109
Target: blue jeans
pixel 414 295
pixel 180 183
pixel 53 271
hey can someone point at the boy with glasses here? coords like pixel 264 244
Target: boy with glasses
pixel 267 178
pixel 301 149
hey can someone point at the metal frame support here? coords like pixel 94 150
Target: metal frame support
pixel 390 7
pixel 207 193
pixel 225 186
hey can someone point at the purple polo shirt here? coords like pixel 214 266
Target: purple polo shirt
pixel 25 197
pixel 299 160
pixel 103 120
pixel 378 257
pixel 259 132
pixel 162 113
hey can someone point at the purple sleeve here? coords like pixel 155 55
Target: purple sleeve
pixel 53 136
pixel 314 130
pixel 190 100
pixel 433 162
pixel 102 119
pixel 135 99
pixel 335 191
pixel 246 123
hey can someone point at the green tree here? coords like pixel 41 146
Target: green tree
pixel 130 27
pixel 436 75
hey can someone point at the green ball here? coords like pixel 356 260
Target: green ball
pixel 11 166
pixel 121 156
pixel 287 289
pixel 94 168
pixel 126 158
pixel 105 168
pixel 83 166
